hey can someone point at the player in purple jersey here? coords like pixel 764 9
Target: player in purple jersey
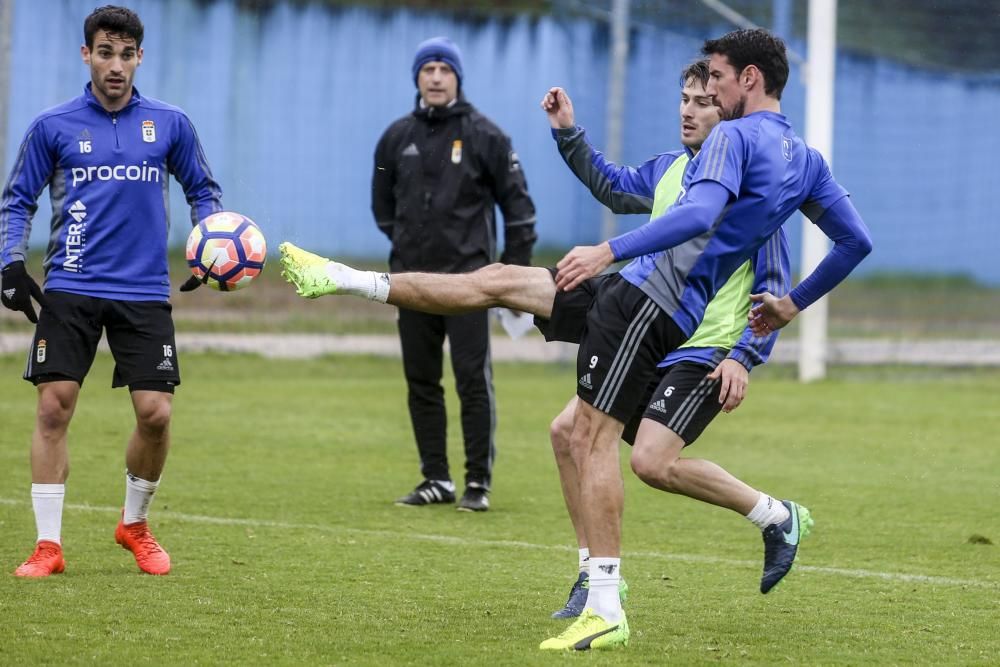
pixel 105 157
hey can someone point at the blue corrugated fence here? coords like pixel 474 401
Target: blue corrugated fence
pixel 290 101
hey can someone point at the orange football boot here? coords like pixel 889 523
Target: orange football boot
pixel 47 559
pixel 149 555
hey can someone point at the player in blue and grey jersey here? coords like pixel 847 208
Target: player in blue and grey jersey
pixel 750 176
pixel 691 251
pixel 707 374
pixel 105 157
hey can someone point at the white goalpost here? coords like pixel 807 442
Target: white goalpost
pixel 822 53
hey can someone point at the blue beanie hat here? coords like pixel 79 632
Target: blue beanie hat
pixel 438 49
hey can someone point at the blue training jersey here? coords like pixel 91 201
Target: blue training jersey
pixel 648 189
pixel 107 174
pixel 622 189
pixel 770 173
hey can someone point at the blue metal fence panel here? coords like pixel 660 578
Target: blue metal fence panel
pixel 290 101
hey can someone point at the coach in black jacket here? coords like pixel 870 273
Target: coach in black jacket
pixel 439 174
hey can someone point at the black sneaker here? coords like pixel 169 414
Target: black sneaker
pixel 475 499
pixel 781 544
pixel 428 492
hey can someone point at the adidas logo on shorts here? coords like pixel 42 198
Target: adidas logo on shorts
pixel 659 406
pixel 585 382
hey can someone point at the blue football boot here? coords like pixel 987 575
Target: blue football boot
pixel 781 543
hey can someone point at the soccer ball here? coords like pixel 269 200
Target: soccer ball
pixel 226 251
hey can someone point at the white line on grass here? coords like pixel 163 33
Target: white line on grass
pixel 448 539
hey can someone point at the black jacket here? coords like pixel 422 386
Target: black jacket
pixel 439 172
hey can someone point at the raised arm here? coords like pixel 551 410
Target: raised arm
pixel 621 189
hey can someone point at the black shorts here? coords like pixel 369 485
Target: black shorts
pixel 632 425
pixel 684 400
pixel 625 337
pixel 140 335
pixel 569 311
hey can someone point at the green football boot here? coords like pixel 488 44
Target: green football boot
pixel 589 631
pixel 308 272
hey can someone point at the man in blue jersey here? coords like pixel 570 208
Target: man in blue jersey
pixel 750 176
pixel 105 157
pixel 714 362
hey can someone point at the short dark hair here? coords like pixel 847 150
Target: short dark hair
pixel 113 20
pixel 755 47
pixel 698 70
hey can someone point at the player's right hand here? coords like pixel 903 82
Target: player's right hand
pixel 559 108
pixel 582 262
pixel 17 289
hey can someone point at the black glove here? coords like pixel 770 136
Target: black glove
pixel 18 288
pixel 192 283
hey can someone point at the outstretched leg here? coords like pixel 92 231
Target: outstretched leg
pixel 524 288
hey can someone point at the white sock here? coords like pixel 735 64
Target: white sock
pixel 603 596
pixel 585 560
pixel 47 501
pixel 371 285
pixel 138 495
pixel 767 511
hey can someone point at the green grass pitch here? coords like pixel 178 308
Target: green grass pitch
pixel 276 507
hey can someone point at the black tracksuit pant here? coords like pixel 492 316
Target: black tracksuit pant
pixel 422 336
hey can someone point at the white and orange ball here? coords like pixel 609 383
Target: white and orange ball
pixel 226 250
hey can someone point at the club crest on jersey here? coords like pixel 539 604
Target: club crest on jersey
pixel 40 351
pixel 456 151
pixel 148 131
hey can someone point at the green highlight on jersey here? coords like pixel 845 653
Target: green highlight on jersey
pixel 726 315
